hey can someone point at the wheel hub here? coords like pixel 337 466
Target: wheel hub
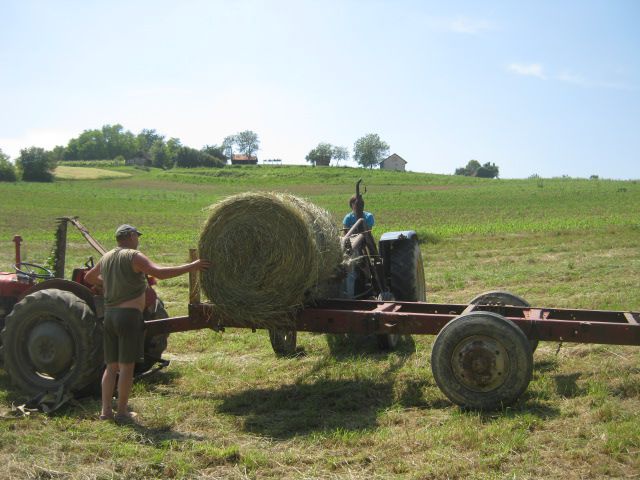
pixel 50 348
pixel 480 363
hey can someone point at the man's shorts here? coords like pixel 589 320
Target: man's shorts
pixel 123 335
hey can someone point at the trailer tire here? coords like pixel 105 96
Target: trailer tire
pixel 52 339
pixel 501 297
pixel 482 361
pixel 406 273
pixel 283 342
pixel 154 346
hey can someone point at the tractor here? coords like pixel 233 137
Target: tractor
pixel 51 327
pixel 391 270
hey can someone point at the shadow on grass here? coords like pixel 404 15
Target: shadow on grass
pixel 567 387
pixel 300 409
pixel 524 406
pixel 544 366
pixel 350 346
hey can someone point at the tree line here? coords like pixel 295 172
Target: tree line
pixel 368 151
pixel 112 142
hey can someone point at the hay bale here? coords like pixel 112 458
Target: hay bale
pixel 272 253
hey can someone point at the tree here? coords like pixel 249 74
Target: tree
pixel 117 141
pixel 370 150
pixel 247 142
pixel 321 155
pixel 7 169
pixel 488 170
pixel 340 153
pixel 160 155
pixel 227 145
pixel 147 138
pixel 36 165
pixel 475 169
pixel 215 151
pixel 188 157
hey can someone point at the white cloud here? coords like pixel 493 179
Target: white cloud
pixel 575 79
pixel 470 26
pixel 45 138
pixel 530 70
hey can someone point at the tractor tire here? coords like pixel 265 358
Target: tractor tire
pixel 500 297
pixel 482 361
pixel 154 346
pixel 52 339
pixel 406 271
pixel 283 342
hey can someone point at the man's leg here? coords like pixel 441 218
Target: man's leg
pixel 108 385
pixel 125 382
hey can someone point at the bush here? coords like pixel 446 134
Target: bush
pixel 36 165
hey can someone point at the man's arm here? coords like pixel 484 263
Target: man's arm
pixel 141 263
pixel 94 276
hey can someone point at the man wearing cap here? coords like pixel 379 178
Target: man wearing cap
pixel 122 273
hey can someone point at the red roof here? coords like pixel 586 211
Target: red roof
pixel 244 158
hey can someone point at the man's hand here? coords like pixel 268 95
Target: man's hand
pixel 199 265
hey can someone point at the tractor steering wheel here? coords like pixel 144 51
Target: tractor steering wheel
pixel 33 270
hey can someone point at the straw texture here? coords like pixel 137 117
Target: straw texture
pixel 272 253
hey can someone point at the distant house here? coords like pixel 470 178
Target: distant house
pixel 237 159
pixel 137 161
pixel 393 162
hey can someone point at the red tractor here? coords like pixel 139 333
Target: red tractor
pixel 52 327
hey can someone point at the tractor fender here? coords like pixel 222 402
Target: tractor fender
pixel 403 235
pixel 77 289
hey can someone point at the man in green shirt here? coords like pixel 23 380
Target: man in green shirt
pixel 122 273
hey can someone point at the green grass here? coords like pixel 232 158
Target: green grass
pixel 228 408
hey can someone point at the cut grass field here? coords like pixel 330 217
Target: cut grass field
pixel 228 408
pixel 86 173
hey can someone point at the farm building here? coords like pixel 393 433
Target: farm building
pixel 237 159
pixel 393 162
pixel 137 161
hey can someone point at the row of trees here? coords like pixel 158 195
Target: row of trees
pixel 475 169
pixel 149 147
pixel 368 151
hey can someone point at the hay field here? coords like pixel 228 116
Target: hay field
pixel 86 173
pixel 228 408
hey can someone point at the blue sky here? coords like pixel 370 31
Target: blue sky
pixel 546 87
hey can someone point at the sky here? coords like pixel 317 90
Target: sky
pixel 537 87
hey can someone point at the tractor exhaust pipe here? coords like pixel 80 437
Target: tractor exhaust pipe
pixel 18 240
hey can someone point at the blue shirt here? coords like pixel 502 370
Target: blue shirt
pixel 350 219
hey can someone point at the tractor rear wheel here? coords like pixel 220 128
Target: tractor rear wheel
pixel 482 360
pixel 52 339
pixel 406 271
pixel 154 346
pixel 502 298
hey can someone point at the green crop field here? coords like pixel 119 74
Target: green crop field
pixel 227 407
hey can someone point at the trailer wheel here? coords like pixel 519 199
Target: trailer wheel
pixel 482 361
pixel 406 271
pixel 500 297
pixel 52 339
pixel 283 342
pixel 154 346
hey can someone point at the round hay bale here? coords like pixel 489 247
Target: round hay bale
pixel 271 253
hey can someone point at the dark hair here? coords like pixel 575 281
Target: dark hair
pixel 354 199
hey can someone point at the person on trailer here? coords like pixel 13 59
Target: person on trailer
pixel 121 272
pixel 351 217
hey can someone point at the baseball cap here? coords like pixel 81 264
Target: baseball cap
pixel 126 229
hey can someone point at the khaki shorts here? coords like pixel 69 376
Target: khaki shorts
pixel 123 335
